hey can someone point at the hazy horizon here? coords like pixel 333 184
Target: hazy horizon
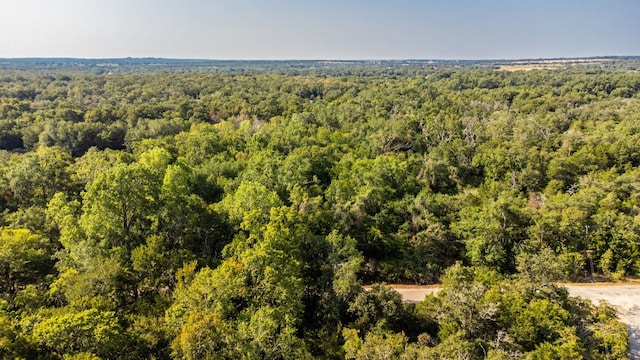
pixel 320 60
pixel 329 30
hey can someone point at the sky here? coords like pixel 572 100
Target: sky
pixel 321 29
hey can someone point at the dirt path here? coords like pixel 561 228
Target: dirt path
pixel 625 298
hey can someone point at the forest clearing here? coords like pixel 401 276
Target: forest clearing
pixel 623 297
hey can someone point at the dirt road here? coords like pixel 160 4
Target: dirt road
pixel 625 298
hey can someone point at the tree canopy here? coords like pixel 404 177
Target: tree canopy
pixel 168 214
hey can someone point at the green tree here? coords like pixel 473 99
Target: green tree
pixel 250 204
pixel 118 204
pixel 37 175
pixel 25 258
pixel 91 331
pixel 493 230
pixel 257 292
pixel 374 346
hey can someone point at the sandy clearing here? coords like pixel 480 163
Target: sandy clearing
pixel 625 298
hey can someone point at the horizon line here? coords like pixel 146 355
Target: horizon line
pixel 597 57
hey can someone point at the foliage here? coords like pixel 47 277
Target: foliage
pixel 24 259
pixel 204 212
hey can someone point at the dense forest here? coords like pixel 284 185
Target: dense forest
pixel 236 212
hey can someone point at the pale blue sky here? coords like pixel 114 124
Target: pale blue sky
pixel 321 29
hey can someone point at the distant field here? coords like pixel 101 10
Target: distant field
pixel 527 65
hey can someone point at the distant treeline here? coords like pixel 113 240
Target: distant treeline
pixel 327 67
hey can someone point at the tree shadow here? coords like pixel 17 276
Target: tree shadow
pixel 634 342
